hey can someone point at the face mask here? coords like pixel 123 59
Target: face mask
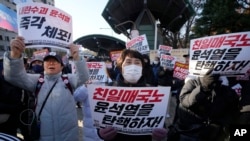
pixel 37 68
pixel 156 62
pixel 132 73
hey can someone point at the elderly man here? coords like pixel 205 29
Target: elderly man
pixel 58 116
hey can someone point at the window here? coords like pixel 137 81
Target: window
pixel 7 38
pixel 1 37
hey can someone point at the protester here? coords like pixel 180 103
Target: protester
pixel 130 64
pixel 156 66
pixel 59 120
pixel 10 105
pixel 89 131
pixel 36 65
pixel 165 76
pixel 207 108
pixel 148 71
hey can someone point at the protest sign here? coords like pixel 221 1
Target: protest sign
pixel 180 70
pixel 97 72
pixel 164 50
pixel 44 25
pixel 226 53
pixel 139 43
pixel 167 61
pixel 131 110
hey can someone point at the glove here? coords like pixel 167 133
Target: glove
pixel 209 80
pixel 159 134
pixel 224 80
pixel 107 133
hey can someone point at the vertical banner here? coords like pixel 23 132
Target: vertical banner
pixel 228 54
pixel 131 110
pixel 43 25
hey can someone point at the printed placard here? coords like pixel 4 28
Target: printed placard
pixel 167 60
pixel 228 54
pixel 97 72
pixel 43 25
pixel 139 43
pixel 131 110
pixel 180 70
pixel 164 50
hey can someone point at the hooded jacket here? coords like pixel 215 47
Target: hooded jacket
pixel 59 116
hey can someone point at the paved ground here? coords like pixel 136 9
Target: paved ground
pixel 80 123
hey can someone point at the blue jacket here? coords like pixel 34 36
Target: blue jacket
pixel 89 131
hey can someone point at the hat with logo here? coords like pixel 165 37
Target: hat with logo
pixel 55 56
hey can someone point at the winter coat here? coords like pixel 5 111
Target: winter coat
pixel 89 131
pixel 59 120
pixel 10 104
pixel 211 112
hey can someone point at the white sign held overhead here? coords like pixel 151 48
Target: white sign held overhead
pixel 43 25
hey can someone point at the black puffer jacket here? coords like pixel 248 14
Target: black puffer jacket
pixel 214 110
pixel 10 103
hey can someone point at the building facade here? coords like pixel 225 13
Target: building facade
pixel 5 34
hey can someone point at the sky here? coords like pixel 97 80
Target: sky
pixel 87 17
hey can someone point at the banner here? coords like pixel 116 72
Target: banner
pixel 228 54
pixel 131 110
pixel 43 25
pixel 8 18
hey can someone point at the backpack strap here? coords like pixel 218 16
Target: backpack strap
pixel 41 81
pixel 38 87
pixel 66 82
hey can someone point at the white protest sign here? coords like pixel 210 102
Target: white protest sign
pixel 139 43
pixel 228 54
pixel 167 60
pixel 164 50
pixel 131 110
pixel 43 25
pixel 97 72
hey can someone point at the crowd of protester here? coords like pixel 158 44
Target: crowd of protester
pixel 204 107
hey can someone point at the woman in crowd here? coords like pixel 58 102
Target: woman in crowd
pixel 130 64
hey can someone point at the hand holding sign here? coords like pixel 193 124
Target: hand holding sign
pixel 17 47
pixel 107 133
pixel 74 50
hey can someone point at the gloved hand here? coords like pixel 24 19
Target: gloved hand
pixel 209 80
pixel 224 80
pixel 107 133
pixel 159 134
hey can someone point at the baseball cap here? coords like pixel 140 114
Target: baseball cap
pixel 55 56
